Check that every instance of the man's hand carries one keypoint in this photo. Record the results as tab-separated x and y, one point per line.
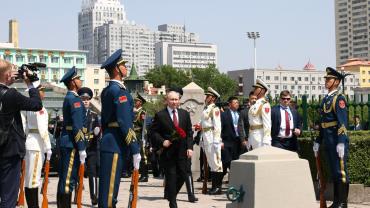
136	160
48	154
244	143
166	143
222	145
83	156
340	150
189	153
315	148
297	132
197	127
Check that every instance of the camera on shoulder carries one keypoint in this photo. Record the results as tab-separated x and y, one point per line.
33	67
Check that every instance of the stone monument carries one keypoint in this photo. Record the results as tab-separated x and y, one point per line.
193	102
271	177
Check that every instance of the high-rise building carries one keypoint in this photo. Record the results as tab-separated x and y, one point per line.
352	30
95	13
176	34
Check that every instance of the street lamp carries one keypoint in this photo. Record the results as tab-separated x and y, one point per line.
254	36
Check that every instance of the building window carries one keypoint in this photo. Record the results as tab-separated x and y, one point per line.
240	79
96	92
306	79
363	80
43	59
299	87
307	88
259	77
79	60
67	60
276	87
313	79
369	80
19	58
284	78
96	81
31	58
291	78
299	78
96	71
285	87
319	79
292	87
351	80
267	77
55	60
276	78
319	87
313	87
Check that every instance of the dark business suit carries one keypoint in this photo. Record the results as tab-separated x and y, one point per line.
174	157
231	140
243	127
12	152
284	143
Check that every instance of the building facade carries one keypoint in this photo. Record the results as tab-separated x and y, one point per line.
185	55
352	30
308	81
95	13
95	78
358	66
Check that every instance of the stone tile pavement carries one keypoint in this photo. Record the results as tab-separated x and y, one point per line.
151	196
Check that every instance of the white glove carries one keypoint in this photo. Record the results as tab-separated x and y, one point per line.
48	154
96	131
340	150
83	156
315	148
136	160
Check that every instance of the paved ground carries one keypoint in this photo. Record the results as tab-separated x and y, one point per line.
151	196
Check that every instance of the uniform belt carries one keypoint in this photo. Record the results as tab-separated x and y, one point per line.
69	128
113	124
33	131
208	128
255	127
325	125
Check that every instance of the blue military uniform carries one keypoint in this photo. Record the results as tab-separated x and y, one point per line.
71	141
333	132
118	135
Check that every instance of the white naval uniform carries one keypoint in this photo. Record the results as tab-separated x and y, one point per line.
37	143
259	116
211	134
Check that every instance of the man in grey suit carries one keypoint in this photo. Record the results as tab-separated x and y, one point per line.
243	123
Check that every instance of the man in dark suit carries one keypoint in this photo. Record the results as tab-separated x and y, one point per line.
176	149
231	141
243	122
286	124
13	147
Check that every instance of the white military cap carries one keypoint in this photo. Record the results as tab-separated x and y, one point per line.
261	84
211	91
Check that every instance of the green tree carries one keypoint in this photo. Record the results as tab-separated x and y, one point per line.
168	76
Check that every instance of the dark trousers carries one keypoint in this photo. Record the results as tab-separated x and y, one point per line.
290	144
10	171
68	170
155	164
175	174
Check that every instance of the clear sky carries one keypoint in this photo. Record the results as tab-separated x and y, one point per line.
292	31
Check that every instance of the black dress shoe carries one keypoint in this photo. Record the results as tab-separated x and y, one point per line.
192	198
200	179
94	200
143	179
216	191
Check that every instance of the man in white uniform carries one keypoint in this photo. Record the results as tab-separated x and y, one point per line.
210	125
37	144
259	116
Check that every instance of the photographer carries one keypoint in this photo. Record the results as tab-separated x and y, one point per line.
12	149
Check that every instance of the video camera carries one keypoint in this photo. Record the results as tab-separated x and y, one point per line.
34	67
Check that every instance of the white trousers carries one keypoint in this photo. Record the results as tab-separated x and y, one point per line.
34	161
213	151
255	138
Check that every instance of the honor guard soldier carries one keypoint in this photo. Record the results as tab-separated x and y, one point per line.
210	125
92	143
37	144
259	116
140	130
333	134
71	143
119	137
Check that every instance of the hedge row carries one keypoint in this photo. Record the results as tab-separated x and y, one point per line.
358	161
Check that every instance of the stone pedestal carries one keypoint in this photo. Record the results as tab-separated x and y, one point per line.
193	102
272	177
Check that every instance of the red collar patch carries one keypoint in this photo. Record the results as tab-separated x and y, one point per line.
122	99
77	104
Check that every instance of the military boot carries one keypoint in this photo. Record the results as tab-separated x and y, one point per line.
217	177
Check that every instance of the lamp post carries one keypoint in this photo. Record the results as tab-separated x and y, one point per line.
254	36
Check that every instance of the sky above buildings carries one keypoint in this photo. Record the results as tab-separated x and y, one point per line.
292	32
